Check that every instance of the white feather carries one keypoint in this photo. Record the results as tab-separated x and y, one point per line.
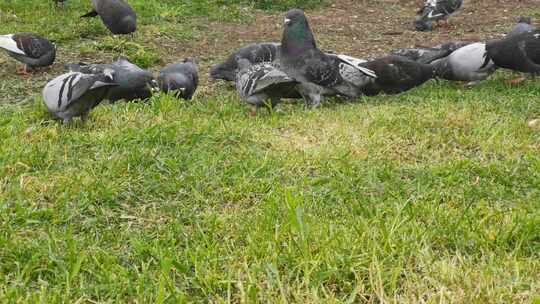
355	62
7	42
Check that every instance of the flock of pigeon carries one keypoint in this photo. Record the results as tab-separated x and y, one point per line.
264	73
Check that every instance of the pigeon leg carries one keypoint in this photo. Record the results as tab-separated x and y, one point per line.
23	70
315	101
252	110
472	84
516	80
66	121
84	117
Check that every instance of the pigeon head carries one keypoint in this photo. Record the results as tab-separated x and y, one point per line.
223	71
242	63
522	19
297	36
189	60
422	25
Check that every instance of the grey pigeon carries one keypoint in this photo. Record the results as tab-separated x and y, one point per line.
430	54
260	82
182	77
435	10
30	49
422	55
519	52
132	81
523	25
74	94
396	74
254	53
470	63
317	73
452	45
117	15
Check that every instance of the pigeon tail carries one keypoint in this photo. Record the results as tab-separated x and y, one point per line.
90	14
7	43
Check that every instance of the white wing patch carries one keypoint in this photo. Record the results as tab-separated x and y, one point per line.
7	43
355	62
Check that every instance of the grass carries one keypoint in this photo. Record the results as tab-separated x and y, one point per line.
431	196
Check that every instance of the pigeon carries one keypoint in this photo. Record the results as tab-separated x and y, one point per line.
318	73
30	49
430	54
452	45
519	52
74	94
181	77
421	55
523	25
117	15
256	83
435	10
396	74
132	81
470	63
254	53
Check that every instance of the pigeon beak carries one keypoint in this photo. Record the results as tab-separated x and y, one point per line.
287	21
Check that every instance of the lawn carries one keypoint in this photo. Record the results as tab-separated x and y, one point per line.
431	196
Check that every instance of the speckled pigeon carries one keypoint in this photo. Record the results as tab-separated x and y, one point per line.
396	74
523	25
422	55
519	52
435	10
260	82
30	49
117	15
74	94
132	81
181	77
254	53
317	73
470	63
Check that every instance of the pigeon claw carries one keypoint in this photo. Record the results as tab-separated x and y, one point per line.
516	80
23	70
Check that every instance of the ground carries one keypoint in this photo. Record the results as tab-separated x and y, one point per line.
428	196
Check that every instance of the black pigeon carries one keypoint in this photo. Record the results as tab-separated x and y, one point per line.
117	15
519	52
470	63
255	53
523	25
435	10
317	73
30	49
262	82
132	81
182	77
74	94
396	74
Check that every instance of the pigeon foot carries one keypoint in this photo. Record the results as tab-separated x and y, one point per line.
517	80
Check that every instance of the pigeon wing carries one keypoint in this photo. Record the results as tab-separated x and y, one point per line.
8	43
